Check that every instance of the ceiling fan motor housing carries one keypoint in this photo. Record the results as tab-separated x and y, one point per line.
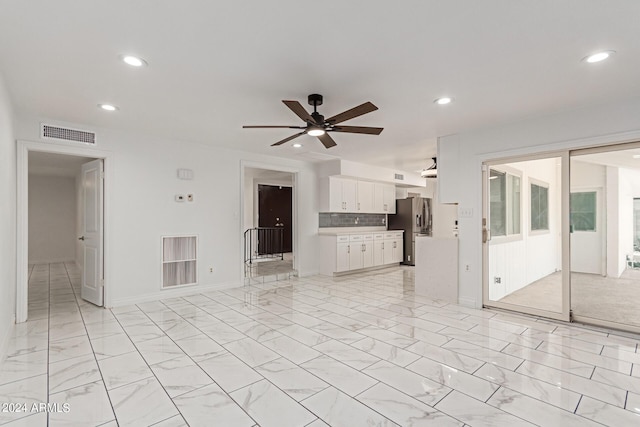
315	99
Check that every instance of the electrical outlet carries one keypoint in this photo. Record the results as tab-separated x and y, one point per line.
467	268
210	269
497	279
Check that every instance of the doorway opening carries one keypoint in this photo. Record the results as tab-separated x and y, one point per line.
61	228
269	225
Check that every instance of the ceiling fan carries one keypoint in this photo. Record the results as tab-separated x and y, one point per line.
318	126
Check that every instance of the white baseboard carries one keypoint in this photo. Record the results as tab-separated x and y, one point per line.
468	302
4	340
172	293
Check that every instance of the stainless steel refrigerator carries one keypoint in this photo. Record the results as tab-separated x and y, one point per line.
414	216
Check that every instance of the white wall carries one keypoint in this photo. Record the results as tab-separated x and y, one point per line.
533	256
464	153
141	209
52	219
7	219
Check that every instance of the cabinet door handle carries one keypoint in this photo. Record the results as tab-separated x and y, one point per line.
363	248
395	244
358	205
382	245
348	249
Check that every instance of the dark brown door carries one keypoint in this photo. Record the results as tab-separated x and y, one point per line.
274	210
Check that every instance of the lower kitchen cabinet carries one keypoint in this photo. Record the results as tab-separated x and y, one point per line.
351	252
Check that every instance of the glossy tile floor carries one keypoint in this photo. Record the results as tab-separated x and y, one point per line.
361	350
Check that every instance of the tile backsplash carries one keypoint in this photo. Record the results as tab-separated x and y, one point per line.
328	219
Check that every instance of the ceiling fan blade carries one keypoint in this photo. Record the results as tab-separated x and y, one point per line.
300	111
288	139
365	108
327	141
358	129
274	127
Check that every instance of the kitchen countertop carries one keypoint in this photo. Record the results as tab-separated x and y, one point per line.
352	230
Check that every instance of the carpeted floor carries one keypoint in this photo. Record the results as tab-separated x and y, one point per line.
594	296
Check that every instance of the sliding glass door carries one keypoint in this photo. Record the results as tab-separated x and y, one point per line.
605	236
524	238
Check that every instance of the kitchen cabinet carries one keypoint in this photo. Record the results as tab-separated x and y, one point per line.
384	200
355	252
339	194
342	194
352	252
342	257
365	197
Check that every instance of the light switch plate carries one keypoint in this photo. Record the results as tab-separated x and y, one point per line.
190	197
179	197
466	212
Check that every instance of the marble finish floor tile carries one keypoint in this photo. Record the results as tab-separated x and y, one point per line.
292	379
210	404
89	405
141	403
339	375
271	407
535	411
124	369
340	410
402	409
291	349
552	394
23	392
180	375
474	413
408	382
362	349
71	373
229	372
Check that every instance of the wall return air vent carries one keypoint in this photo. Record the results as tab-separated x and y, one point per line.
66	134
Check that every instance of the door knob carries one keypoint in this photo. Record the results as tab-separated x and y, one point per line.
81	238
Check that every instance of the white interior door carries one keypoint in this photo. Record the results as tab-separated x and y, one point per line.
93	232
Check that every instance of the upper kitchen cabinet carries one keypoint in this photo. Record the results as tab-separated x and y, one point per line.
342	194
365	197
339	194
384	200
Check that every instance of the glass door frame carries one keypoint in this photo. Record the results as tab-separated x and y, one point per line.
565	314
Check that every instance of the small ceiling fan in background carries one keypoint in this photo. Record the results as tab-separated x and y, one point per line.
431	171
318	126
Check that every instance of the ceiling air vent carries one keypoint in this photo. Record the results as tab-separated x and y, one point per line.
66	134
399	177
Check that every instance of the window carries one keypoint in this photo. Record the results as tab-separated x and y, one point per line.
504	214
583	211
539	207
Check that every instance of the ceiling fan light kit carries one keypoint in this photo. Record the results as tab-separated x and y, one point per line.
431	171
318	126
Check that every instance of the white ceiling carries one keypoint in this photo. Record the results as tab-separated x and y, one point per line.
217	65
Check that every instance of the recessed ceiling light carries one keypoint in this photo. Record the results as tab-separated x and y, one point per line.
296	145
443	101
316	132
108	107
134	61
636	156
599	56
